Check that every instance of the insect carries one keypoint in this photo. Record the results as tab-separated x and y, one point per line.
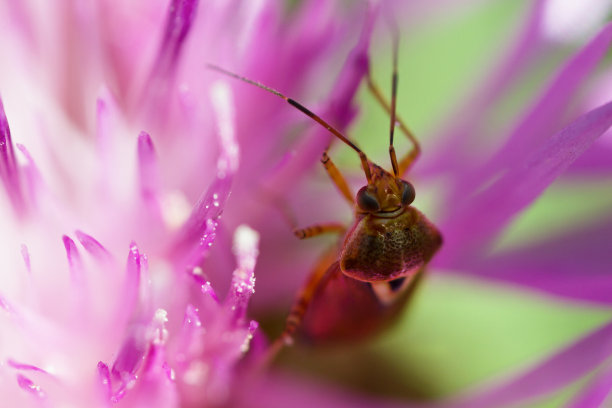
361	286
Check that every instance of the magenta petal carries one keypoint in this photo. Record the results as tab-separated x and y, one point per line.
7	307
576	265
74	260
463	126
561	369
147	166
181	14
105	380
31	173
28	385
198	233
246	247
536	125
9	172
131	357
596	392
283	391
488	212
544	118
25	367
25	254
131	287
92	246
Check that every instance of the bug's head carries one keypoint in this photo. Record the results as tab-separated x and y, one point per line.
386	193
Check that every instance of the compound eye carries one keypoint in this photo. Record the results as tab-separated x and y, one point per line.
367	201
408	193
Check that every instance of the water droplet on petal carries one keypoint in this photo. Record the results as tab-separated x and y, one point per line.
28	385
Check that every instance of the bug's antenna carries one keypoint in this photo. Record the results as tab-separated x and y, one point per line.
394	79
310	114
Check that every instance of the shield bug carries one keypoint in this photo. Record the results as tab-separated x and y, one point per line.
362	285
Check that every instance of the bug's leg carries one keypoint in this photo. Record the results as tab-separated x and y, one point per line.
318	229
406	162
337	178
339	181
300	305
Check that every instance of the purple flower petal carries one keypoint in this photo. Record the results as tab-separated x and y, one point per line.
576	265
596	392
485	214
105	380
131	288
456	136
25	254
31	173
181	14
544	118
147	168
131	358
536	125
561	369
92	246
7	307
9	172
283	391
25	367
74	260
198	232
28	385
246	248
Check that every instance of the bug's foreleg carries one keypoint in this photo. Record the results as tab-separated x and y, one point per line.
408	160
318	229
338	179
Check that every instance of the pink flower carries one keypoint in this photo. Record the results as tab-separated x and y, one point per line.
116	142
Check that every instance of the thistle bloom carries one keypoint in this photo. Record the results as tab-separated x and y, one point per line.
119	152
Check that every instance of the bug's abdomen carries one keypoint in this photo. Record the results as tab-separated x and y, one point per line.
380	249
345	309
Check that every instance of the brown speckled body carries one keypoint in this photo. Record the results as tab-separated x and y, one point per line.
381	248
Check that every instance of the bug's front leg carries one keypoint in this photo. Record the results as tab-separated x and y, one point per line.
318	229
337	178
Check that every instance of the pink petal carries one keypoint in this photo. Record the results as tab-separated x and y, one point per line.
198	232
131	288
31	173
596	391
559	370
105	380
576	265
25	367
92	246
28	385
246	248
147	168
25	254
463	126
283	391
9	172
488	212
181	14
544	117
74	260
